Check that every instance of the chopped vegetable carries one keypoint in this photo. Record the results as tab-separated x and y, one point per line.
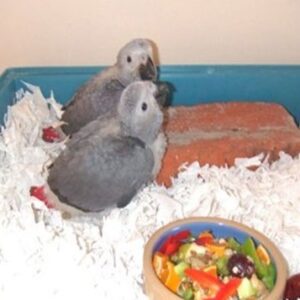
186	250
212	270
228	289
204	279
180	268
263	255
222	268
182	235
173	242
234	244
188	294
170	246
270	278
246	289
186	291
183	251
216	249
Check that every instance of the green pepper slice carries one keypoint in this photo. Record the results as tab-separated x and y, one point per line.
248	248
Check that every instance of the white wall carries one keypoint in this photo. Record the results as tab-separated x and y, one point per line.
90	32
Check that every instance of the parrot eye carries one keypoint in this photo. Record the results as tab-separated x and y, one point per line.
144	106
129	59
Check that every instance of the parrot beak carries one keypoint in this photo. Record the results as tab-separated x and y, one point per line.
148	71
163	93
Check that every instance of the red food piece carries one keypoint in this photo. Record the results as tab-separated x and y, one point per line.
50	134
292	289
165	244
228	289
39	193
204	240
182	235
170	246
173	242
204	279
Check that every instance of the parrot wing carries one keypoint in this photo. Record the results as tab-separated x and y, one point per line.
97	97
97	176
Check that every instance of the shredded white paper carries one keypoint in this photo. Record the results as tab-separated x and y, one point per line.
43	256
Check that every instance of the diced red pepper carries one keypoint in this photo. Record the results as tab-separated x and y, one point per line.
227	290
172	247
204	279
182	235
50	134
173	242
165	244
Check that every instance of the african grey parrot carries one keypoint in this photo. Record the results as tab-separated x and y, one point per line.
102	92
107	161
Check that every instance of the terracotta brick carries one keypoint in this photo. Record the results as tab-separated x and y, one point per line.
228	116
218	133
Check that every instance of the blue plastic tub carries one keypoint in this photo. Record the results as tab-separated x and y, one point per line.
194	83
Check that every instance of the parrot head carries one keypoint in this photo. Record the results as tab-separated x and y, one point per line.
135	61
140	113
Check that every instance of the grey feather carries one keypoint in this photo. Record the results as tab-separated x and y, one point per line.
107	161
102	92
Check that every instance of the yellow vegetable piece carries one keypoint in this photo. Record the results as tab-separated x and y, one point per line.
160	265
263	255
212	270
173	280
216	249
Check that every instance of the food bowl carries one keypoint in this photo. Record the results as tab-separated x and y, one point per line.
221	229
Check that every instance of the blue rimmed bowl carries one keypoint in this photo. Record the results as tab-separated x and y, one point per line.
221	228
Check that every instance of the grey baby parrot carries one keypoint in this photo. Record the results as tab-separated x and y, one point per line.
102	92
107	161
